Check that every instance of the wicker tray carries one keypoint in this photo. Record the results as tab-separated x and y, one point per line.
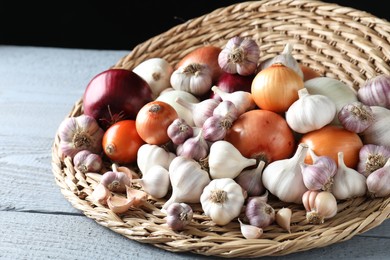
337	41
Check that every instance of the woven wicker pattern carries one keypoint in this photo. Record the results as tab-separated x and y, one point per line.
337	41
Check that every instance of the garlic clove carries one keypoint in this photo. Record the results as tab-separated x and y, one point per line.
137	197
283	218
249	231
119	204
100	194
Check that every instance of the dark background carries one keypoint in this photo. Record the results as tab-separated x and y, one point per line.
112	25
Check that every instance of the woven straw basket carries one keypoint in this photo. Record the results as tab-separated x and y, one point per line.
339	42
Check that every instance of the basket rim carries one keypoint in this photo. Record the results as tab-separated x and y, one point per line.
137	225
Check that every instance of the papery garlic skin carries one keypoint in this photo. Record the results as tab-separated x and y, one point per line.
196	147
371	158
347	182
170	95
179	215
340	93
378	182
222	200
157	73
188	180
376	91
179	131
319	175
283	178
194	78
259	213
242	100
149	155
356	117
225	161
379	131
155	181
80	133
310	112
319	205
115	181
240	55
85	161
200	110
286	58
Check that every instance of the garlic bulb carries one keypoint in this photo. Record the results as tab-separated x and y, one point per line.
242	100
155	181
378	182
226	109
240	55
283	178
85	161
249	231
259	213
356	117
347	182
179	215
157	73
80	133
200	110
225	161
194	78
188	180
375	91
196	147
286	58
149	155
115	180
340	93
371	158
170	98
250	180
179	131
379	131
319	175
319	205
310	112
215	127
222	200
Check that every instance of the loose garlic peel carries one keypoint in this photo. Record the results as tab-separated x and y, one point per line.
283	218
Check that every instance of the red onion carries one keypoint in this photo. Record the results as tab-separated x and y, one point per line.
233	82
376	91
114	95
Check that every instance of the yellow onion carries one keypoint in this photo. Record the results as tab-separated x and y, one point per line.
276	88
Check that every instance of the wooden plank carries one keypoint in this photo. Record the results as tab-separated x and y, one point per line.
38	236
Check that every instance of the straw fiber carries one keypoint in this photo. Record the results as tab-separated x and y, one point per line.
338	42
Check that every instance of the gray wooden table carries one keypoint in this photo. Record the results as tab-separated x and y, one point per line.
38	87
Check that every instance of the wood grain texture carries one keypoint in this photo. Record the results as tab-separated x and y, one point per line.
38	87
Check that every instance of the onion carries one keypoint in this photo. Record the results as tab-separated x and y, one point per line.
114	95
330	140
233	82
207	54
262	134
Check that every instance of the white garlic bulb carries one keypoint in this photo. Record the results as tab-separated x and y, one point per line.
310	112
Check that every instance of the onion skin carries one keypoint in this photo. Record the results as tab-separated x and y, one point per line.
114	95
331	139
309	73
262	134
